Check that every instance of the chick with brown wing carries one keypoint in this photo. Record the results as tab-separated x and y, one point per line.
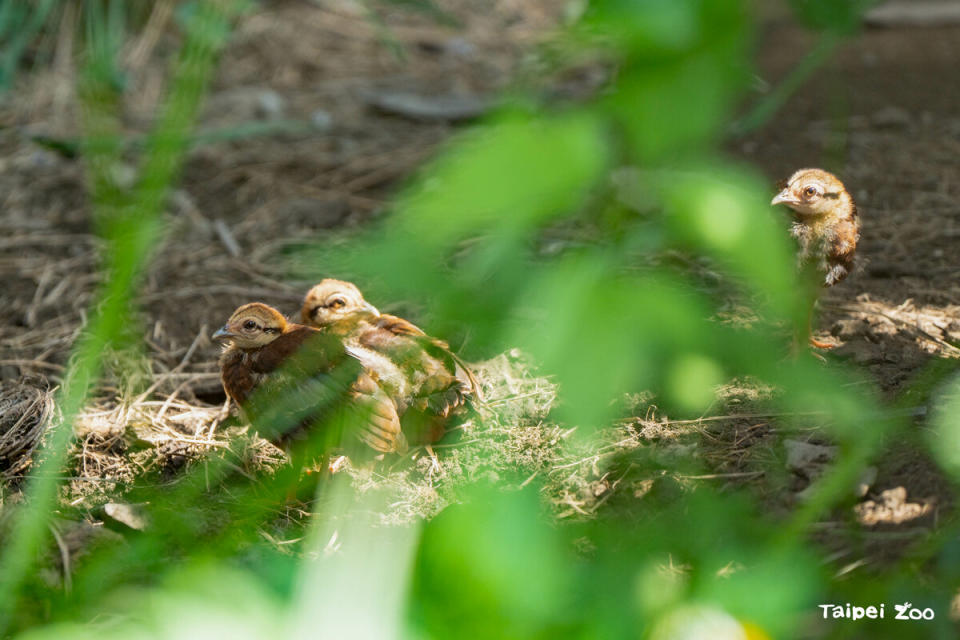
430	384
826	226
288	378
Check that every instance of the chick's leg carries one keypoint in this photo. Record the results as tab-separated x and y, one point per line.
819	344
812	341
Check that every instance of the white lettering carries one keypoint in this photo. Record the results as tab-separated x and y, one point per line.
849	611
902	610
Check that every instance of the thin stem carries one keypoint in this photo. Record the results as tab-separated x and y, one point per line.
763	111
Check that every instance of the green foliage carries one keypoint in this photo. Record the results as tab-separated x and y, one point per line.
605	315
515	581
945	438
130	224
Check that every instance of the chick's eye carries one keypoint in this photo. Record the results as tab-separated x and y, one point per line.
249	325
336	303
810	191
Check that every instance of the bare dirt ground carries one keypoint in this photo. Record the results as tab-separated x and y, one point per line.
880	115
884	115
317	77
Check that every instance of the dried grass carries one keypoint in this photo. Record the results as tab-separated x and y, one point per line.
241	204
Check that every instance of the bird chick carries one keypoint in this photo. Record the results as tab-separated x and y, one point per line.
826	225
337	307
428	382
307	375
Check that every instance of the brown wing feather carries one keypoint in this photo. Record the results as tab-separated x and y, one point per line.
398	326
840	250
381	429
298	366
290	341
844	243
441	384
238	380
439	348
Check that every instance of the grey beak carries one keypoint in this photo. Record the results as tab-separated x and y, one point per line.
372	309
783	197
221	334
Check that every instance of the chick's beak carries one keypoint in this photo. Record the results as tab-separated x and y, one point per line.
222	334
784	197
372	309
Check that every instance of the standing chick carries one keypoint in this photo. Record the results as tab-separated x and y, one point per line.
307	376
826	225
427	381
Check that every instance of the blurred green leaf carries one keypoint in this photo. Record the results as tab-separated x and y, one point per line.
944	438
130	226
208	601
674	108
493	568
725	213
506	175
517	237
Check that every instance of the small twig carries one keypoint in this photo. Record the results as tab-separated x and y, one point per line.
239	470
228	289
717	476
899	321
916	328
850	567
734	416
226	237
71	478
505	400
170	399
594	458
222	415
45	277
64	558
763	111
176	369
154	29
530	479
576	508
454	445
179	437
269	538
32	363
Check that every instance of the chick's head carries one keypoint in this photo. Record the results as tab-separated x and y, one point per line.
333	301
252	326
812	192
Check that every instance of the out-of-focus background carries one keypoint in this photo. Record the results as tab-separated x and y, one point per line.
574	195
